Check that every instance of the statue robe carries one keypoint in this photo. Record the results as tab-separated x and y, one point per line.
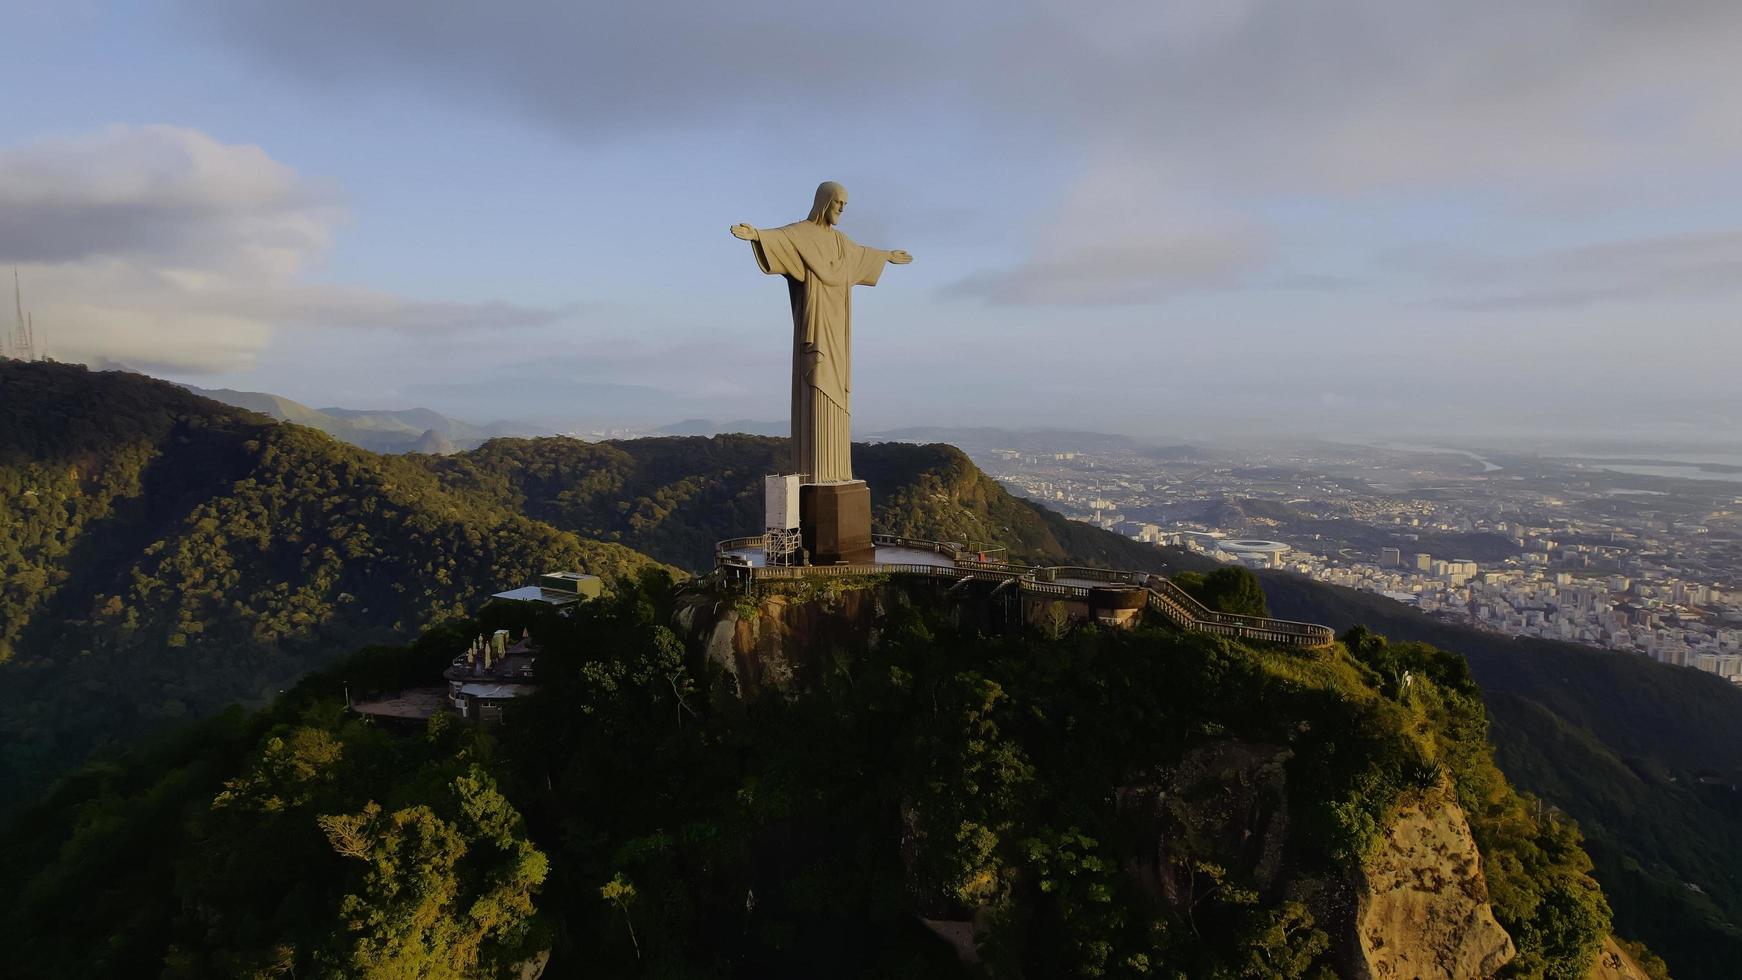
821	267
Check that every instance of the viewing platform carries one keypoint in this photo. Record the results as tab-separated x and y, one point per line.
1110	595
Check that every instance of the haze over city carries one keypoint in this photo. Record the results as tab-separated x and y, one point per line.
1220	218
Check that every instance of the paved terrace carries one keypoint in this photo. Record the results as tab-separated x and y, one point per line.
743	559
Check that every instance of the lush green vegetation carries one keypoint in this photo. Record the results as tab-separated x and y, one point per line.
296	841
636	818
162	556
672	498
669	498
935	491
1229	589
1537	872
1646	757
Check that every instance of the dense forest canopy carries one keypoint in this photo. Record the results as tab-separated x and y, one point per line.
162	556
165	555
639	817
673	497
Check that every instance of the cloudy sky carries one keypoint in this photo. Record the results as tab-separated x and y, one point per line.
1174	218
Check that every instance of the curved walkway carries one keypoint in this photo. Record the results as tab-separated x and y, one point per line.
742	559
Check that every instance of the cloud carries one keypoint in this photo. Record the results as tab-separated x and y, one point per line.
158	193
1125	233
321	305
1120	152
647	375
1123	272
160	245
1655	270
1337	92
1215	107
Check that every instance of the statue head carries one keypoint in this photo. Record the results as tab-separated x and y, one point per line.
830	202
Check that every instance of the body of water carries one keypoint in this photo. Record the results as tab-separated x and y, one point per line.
1407	447
1670	459
1674	471
1675	466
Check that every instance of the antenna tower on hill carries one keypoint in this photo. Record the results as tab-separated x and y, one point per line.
22	343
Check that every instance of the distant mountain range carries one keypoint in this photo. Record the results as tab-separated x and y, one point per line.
709	427
974	438
969	438
420	430
408	430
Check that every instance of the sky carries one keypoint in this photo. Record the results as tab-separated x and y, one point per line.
1194	219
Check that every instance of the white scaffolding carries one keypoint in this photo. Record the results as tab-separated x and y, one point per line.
781	544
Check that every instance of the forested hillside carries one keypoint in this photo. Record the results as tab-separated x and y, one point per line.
673	497
670	498
1102	804
1647	757
162	555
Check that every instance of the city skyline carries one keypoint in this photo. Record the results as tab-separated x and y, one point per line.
1559	549
1219	218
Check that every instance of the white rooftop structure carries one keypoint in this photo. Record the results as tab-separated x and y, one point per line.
532	593
487	689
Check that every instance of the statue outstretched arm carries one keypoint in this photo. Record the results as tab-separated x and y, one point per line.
746	232
899	257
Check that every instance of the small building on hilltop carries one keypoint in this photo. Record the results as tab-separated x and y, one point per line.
490	675
556	589
405	708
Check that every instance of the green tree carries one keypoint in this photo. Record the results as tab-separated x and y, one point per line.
1229	589
439	896
620	892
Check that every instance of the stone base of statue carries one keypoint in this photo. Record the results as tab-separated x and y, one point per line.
834	521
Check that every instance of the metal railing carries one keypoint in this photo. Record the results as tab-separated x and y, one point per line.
1051	573
1179	604
953	550
739	544
1163	596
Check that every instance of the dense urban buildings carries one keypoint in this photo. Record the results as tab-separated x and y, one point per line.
1631	552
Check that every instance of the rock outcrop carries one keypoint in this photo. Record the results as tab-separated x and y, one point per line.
781	644
1417	909
1613	963
531	968
434	443
1422	904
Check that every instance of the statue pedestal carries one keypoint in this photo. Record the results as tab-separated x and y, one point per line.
835	522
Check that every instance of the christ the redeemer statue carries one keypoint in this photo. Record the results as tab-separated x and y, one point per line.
821	267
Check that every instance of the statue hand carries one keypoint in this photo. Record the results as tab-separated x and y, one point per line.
900	257
745	232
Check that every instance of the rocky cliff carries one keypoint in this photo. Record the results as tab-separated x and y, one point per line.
1222	815
780	643
1613	963
1421	901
